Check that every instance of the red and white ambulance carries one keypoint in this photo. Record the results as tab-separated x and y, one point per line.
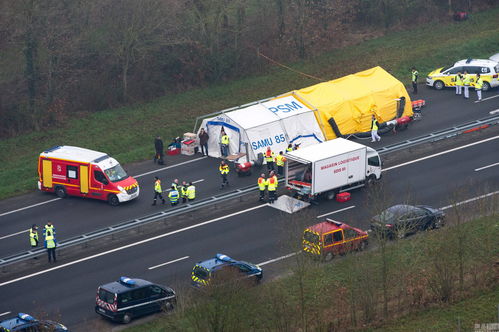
69	170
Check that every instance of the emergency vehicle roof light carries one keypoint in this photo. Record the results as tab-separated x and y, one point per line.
224	258
334	222
127	281
25	317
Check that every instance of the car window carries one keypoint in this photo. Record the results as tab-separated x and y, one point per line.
140	294
338	236
72	172
496	68
328	239
124	298
99	176
244	268
155	290
106	296
373	161
472	69
350	233
455	70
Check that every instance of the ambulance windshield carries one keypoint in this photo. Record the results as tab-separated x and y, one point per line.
116	173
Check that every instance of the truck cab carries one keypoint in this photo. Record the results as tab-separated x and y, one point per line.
330	238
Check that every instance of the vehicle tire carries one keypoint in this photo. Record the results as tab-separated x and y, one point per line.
167	306
330	195
113	200
485	86
371	179
60	191
439	85
329	256
127	318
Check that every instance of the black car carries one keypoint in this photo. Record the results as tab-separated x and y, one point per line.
128	298
400	220
24	323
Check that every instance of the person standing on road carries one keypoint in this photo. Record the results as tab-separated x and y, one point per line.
33	236
224	144
158	193
203	141
173	196
50	245
191	192
269	158
374	129
262	185
224	171
158	146
183	192
478	87
414	79
272	187
175	184
459	84
279	161
466	84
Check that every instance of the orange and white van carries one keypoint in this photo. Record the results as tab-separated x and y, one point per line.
69	170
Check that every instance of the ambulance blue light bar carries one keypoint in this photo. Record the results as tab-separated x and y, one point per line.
25	317
127	281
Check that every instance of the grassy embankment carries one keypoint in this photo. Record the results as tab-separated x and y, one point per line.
423	290
127	133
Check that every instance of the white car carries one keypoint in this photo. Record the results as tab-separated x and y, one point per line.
446	76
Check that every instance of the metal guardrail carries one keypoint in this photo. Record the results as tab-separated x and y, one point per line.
129	224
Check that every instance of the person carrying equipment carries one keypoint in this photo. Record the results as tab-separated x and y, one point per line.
262	185
157	191
173	196
269	158
224	171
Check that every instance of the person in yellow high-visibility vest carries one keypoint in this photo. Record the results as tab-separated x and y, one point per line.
33	236
478	87
224	171
279	161
158	193
459	83
269	158
191	192
224	144
466	84
272	187
262	185
374	129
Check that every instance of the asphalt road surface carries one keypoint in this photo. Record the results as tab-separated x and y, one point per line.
75	216
255	232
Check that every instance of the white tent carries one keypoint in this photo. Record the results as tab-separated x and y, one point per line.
274	123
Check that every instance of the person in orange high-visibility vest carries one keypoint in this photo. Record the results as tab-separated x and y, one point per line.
272	187
262	185
224	171
269	158
279	161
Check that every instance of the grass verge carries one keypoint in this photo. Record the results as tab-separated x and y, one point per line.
127	133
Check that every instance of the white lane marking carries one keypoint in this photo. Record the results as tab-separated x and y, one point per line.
441	153
278	259
168	167
484	167
477	101
167	263
134	176
14	234
5	313
30	206
131	245
470	200
494	111
340	210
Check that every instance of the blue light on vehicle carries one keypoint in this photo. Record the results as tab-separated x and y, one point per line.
127	281
224	258
25	317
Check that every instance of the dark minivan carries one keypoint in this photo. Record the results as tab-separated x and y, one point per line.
128	298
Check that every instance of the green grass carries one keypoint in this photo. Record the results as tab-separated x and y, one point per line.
127	133
479	309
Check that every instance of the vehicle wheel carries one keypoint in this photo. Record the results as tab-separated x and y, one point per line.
485	86
113	200
127	318
328	256
371	179
439	85
330	195
167	306
60	191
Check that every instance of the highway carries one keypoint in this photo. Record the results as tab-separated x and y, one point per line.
254	232
75	216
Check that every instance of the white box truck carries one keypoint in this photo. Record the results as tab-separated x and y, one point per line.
328	168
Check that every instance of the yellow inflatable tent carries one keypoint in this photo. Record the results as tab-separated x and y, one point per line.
349	102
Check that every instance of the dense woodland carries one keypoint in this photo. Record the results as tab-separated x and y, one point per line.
61	59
